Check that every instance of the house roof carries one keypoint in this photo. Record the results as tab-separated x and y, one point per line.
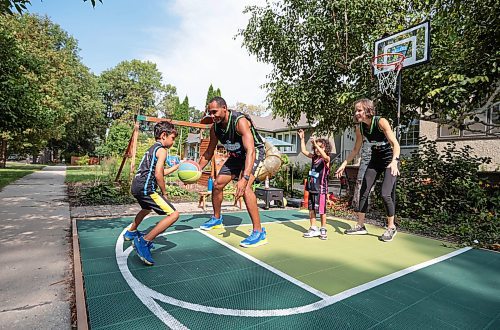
277	124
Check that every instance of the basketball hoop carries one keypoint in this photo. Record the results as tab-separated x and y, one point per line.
387	66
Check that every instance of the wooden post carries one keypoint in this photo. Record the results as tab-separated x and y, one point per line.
133	149
124	159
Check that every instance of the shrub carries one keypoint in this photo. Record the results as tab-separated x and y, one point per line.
105	193
83	160
440	194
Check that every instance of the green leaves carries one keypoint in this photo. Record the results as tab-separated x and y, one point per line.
441	194
7	6
49	94
132	88
320	51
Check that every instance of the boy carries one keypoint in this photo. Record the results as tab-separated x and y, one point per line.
150	175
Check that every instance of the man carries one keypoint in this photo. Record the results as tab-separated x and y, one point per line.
246	151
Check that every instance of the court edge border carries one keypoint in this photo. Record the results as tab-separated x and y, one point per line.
81	305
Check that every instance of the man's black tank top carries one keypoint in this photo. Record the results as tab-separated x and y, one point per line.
231	139
144	182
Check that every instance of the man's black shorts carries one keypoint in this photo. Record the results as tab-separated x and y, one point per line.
234	165
155	202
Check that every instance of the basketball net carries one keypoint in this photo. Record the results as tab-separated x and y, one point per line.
387	67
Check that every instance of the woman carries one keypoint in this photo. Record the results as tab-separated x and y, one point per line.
384	159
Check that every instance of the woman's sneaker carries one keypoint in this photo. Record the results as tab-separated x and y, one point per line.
130	235
256	238
312	232
388	235
322	233
213	223
356	230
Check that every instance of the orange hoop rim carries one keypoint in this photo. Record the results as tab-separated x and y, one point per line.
397	64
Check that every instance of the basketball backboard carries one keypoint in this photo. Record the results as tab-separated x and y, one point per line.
413	43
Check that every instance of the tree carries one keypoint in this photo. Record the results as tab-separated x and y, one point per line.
116	141
251	109
169	103
44	85
132	88
86	126
320	53
212	93
6	6
182	111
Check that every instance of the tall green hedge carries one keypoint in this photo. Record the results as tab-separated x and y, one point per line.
440	194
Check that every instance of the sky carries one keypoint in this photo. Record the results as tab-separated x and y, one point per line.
191	41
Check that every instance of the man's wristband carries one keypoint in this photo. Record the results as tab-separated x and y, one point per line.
246	177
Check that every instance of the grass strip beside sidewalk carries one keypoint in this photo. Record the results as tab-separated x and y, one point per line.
15	171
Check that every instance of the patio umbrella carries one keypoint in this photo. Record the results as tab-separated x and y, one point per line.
277	143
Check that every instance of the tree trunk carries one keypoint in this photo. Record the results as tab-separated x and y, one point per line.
3	153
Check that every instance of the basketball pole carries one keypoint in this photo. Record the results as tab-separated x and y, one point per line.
398	119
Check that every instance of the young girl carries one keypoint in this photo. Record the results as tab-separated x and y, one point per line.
317	183
384	159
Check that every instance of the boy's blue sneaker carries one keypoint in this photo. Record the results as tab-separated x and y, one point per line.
130	235
256	238
213	223
143	249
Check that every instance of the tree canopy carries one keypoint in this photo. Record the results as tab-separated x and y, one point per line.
46	91
8	6
212	93
320	52
132	88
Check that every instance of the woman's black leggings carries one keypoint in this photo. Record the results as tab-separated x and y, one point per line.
388	189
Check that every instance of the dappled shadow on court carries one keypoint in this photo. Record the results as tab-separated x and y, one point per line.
461	292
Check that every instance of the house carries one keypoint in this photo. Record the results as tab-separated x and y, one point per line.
483	145
271	127
278	128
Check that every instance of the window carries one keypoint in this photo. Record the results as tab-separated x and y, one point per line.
265	134
475	128
495	117
448	131
409	134
290	137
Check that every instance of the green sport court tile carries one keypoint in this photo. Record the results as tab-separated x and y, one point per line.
342	261
188	260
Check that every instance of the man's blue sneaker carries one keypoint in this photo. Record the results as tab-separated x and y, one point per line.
256	238
213	223
143	249
130	235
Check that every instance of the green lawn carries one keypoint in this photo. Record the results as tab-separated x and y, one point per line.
98	172
14	171
86	173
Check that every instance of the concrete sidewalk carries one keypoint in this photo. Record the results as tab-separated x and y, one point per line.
35	275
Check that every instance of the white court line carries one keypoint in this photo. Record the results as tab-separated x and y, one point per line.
287	277
140	290
234	226
146	294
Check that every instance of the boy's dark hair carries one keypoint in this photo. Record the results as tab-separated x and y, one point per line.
219	100
166	127
326	145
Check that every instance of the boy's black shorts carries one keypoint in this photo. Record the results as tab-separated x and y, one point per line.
234	165
155	202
